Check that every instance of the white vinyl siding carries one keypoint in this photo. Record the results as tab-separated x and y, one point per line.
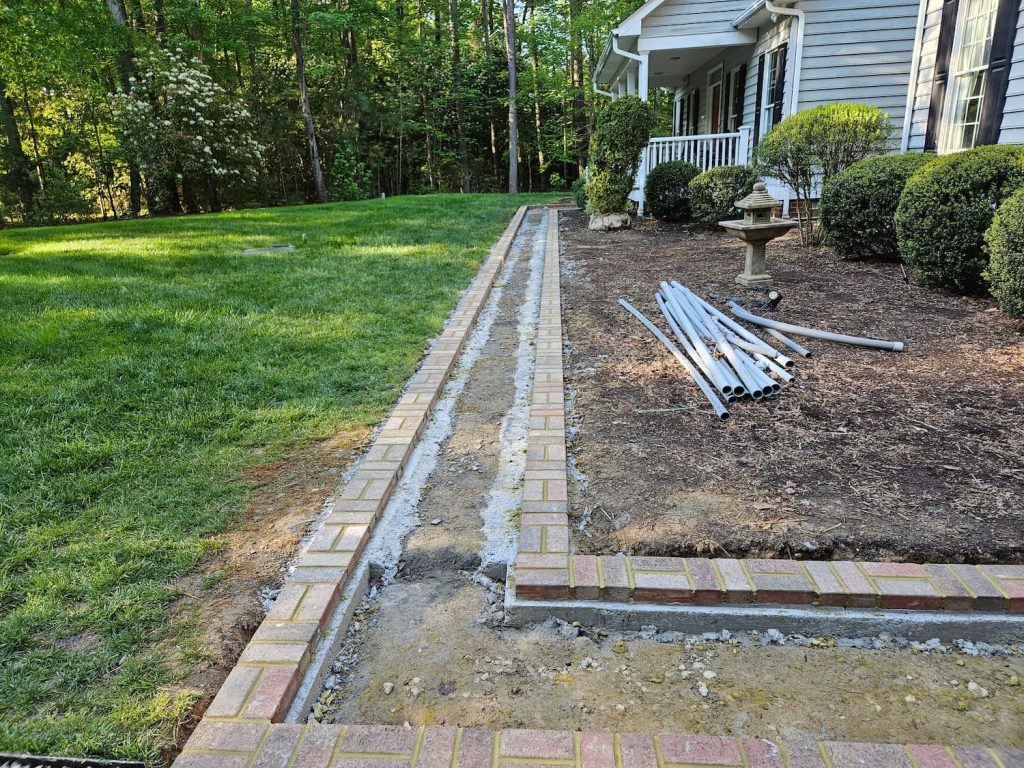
1013	112
688	17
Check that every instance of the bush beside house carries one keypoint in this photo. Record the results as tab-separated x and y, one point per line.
809	148
667	191
858	205
1005	241
946	208
713	194
623	130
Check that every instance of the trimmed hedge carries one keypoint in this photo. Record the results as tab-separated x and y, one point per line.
667	190
858	205
713	194
623	130
1005	240
946	208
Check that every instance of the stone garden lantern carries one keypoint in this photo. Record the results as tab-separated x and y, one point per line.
756	229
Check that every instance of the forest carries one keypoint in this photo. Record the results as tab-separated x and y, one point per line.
120	108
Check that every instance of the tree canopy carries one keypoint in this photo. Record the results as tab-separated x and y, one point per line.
111	108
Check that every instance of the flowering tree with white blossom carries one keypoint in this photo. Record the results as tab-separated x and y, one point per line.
192	140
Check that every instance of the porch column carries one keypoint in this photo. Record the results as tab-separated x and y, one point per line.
645	67
630	82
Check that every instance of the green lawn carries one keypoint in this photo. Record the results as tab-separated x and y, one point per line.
143	366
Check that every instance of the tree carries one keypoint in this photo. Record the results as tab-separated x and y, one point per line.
458	95
16	160
307	111
509	16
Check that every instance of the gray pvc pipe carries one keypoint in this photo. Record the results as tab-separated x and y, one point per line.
775	368
814	333
720	410
802	351
722	373
714	375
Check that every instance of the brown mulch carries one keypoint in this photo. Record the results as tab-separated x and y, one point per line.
869	455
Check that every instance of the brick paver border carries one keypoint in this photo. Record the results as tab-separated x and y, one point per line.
545	570
261	687
262	745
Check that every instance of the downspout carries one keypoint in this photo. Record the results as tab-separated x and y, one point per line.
798	47
598	91
622	53
915	65
642	172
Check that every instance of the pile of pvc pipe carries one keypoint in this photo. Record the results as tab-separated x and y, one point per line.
726	361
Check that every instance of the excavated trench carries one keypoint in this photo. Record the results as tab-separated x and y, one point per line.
428	646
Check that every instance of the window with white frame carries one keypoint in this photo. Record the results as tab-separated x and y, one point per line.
772	89
965	92
733	106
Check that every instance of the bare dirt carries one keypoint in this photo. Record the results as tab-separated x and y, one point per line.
430	647
869	455
219	608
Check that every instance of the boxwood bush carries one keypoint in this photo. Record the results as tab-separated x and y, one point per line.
1005	240
946	208
713	194
667	190
858	205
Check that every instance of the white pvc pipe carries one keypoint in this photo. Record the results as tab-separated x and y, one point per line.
713	373
692	325
802	351
720	410
778	370
814	333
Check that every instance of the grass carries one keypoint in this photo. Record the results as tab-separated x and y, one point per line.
144	366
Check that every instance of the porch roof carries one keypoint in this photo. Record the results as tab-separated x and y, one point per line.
671	58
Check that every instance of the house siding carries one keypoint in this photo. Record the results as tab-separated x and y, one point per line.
687	17
1013	113
768	39
858	51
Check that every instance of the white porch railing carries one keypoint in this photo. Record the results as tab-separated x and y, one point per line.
706	151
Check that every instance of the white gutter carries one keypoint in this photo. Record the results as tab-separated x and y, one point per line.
620	51
915	65
598	91
798	54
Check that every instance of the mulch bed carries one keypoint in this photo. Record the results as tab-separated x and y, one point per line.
869	455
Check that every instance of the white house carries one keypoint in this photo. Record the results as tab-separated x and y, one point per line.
950	73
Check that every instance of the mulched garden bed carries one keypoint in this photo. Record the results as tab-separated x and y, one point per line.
869	455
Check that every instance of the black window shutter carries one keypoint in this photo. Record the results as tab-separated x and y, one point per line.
757	98
998	76
780	85
741	87
947	31
695	114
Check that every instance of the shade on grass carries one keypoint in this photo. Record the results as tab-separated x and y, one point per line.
143	366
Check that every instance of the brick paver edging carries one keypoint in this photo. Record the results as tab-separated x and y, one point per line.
267	676
261	745
545	570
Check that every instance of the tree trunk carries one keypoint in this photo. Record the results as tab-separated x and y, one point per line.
124	71
536	102
307	112
17	160
581	136
509	15
457	82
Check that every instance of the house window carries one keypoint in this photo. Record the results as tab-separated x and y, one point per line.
734	100
972	52
774	85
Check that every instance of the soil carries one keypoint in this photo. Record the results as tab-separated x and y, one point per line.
219	606
430	648
869	455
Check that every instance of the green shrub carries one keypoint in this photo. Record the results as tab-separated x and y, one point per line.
579	193
713	194
1005	241
623	130
813	145
947	206
858	205
350	180
607	193
667	190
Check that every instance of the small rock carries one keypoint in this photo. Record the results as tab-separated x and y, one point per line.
620	708
387	688
702	689
415	692
1014	680
976	689
709	675
436	521
910	698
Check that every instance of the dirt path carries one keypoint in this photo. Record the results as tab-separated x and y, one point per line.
429	648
